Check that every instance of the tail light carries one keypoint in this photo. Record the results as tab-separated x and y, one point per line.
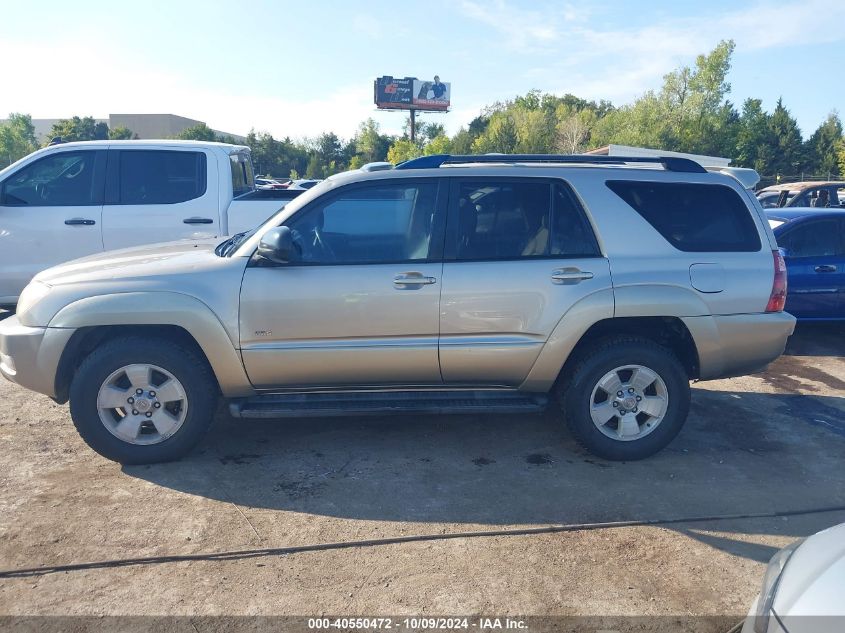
777	299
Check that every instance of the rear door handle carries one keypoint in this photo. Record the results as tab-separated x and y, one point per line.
825	268
198	221
405	280
80	222
570	276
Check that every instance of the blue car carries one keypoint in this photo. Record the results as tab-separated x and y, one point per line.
812	242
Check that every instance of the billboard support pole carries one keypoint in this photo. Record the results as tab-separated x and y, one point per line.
413	125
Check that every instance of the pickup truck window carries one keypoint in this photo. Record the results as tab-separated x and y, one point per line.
160	176
63	179
384	223
242	177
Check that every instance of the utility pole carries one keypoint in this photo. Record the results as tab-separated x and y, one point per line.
413	125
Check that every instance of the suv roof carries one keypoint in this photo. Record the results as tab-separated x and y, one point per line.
669	163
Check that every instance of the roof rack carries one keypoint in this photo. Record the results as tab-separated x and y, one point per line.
376	166
670	163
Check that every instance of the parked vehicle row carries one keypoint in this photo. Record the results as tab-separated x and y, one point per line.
448	284
71	200
812	241
804	194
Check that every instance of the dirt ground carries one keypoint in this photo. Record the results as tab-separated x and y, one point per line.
772	443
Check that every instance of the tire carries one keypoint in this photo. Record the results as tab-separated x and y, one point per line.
165	425
645	427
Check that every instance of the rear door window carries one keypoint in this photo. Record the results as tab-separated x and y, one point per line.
516	219
160	176
692	217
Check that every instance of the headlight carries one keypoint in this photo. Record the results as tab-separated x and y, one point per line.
770	586
31	295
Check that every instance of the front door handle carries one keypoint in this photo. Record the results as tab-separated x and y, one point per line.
196	220
80	222
412	280
825	268
570	276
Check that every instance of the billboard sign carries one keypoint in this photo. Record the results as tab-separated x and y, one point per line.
410	93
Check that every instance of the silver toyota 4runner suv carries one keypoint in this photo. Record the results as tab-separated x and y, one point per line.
449	284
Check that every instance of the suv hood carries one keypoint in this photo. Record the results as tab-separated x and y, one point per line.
186	268
149	260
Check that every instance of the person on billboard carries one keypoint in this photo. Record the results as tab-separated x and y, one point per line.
438	89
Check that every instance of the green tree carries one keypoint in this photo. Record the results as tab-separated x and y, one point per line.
198	132
370	144
573	130
754	141
121	133
315	168
403	149
689	113
840	155
462	141
786	143
821	147
438	145
276	158
17	138
500	136
80	129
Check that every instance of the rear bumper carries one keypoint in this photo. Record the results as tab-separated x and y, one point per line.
29	356
738	344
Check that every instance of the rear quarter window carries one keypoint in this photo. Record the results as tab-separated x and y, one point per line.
693	217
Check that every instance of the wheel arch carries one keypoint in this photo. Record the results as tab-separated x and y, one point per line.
168	315
668	331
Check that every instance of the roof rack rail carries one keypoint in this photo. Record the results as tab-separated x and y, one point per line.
670	163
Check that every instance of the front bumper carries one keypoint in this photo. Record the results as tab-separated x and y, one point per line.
738	344
29	356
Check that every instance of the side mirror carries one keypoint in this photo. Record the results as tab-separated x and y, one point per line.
784	252
277	245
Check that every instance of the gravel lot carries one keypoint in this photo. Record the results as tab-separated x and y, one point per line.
765	444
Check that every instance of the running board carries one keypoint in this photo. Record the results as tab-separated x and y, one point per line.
314	405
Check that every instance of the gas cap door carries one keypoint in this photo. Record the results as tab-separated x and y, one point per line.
707	277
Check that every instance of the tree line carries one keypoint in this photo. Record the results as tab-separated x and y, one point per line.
691	112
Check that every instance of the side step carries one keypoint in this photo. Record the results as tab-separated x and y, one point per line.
385	403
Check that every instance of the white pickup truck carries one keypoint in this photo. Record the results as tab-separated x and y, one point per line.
76	199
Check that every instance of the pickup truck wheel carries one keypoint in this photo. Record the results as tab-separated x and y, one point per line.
627	399
141	401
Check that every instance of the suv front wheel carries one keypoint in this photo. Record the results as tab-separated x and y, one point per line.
139	401
626	399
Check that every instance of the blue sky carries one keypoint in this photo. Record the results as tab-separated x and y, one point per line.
300	68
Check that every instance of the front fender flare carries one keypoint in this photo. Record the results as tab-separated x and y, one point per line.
165	308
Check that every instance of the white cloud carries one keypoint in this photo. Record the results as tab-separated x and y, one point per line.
367	25
620	64
110	85
560	49
525	30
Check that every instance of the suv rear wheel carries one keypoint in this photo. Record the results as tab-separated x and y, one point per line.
626	399
140	401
